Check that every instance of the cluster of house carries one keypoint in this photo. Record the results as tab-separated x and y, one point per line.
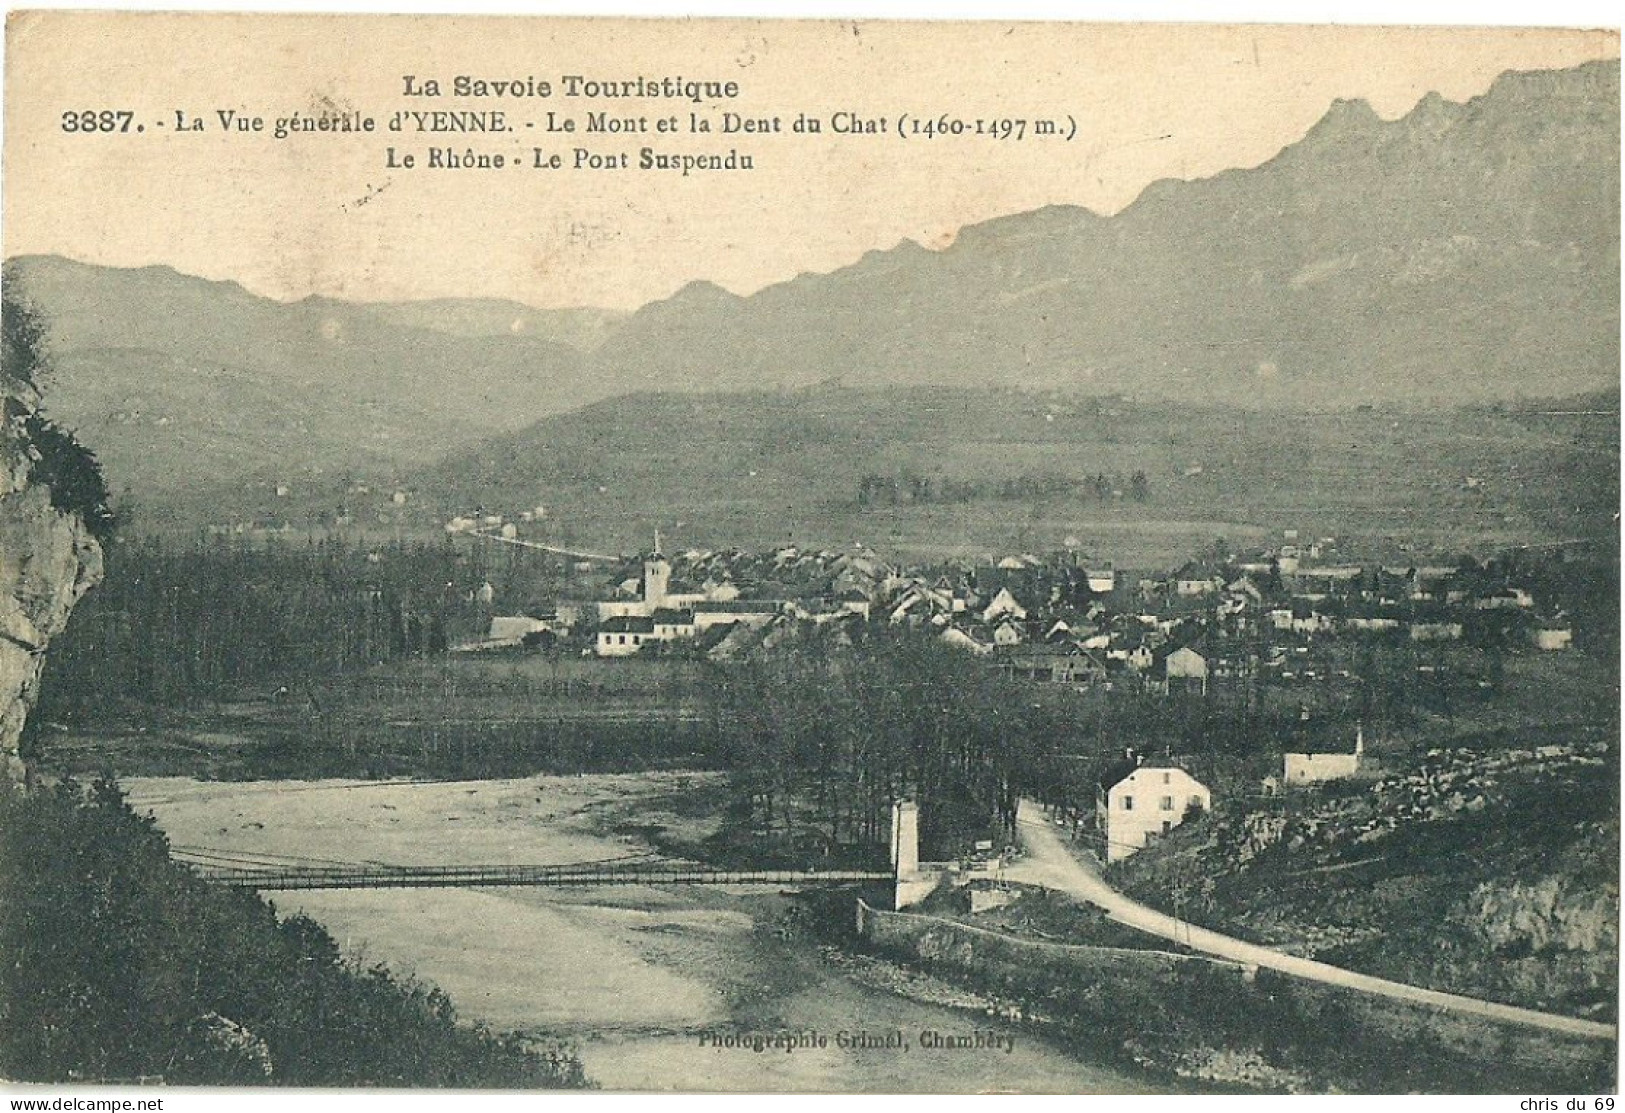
1137	803
715	618
1058	620
1208	620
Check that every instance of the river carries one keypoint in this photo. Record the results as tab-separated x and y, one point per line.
645	982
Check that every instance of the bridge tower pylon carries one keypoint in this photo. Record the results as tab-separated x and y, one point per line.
910	884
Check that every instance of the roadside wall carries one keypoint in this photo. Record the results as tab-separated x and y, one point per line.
934	939
1174	1003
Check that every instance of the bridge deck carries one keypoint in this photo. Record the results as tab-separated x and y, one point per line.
284	878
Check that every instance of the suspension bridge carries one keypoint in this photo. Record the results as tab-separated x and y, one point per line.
281	874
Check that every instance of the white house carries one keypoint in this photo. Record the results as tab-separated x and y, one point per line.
1101	580
1326	577
1435	631
1187	665
671	624
1373	618
1197	579
1302	617
1553	636
855	602
1303	767
625	635
1008	633
1004	605
752	612
1136	806
1508	598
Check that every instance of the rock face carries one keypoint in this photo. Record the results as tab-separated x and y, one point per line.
1454	871
48	560
1551	913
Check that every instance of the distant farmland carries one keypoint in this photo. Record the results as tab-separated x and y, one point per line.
1020	470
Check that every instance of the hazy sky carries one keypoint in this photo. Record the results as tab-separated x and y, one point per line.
325	214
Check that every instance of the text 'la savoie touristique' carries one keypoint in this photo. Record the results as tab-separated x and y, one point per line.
572	85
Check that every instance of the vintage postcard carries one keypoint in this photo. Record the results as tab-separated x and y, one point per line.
855	557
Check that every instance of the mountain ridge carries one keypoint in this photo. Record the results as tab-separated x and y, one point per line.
1472	192
1462	252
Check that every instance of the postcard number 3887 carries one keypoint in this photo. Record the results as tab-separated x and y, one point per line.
90	121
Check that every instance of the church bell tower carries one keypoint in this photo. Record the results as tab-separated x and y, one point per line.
656	574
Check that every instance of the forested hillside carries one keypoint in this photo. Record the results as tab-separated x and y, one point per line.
121	965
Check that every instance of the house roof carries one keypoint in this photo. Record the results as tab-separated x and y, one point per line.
670	616
1121	771
1319	734
1004	593
709	638
739	640
737	606
1040	649
954	636
1114	773
628	624
1324	741
1330	571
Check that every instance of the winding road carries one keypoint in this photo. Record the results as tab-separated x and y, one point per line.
1050	864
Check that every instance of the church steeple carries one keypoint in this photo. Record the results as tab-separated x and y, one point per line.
656	575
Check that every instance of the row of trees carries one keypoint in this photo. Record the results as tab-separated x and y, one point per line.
172	626
908	488
823	737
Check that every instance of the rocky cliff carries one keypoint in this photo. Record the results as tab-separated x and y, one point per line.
50	554
1489	872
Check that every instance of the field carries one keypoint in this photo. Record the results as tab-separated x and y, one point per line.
757	470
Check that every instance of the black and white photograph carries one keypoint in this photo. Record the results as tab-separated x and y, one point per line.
809	556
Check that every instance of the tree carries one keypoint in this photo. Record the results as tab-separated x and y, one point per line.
823	738
22	358
68	469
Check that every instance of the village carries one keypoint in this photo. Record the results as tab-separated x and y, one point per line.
1305	637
